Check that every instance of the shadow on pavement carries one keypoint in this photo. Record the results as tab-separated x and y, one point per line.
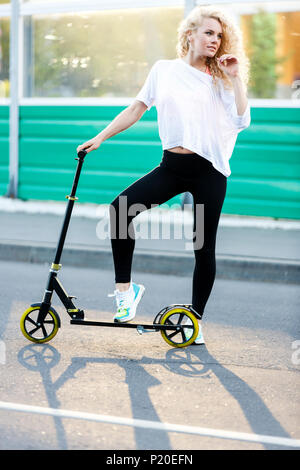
193	361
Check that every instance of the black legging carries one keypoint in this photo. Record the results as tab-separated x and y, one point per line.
177	173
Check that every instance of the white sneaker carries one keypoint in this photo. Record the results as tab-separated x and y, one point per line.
189	332
127	302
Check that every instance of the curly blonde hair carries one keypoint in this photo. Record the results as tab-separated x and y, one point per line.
232	42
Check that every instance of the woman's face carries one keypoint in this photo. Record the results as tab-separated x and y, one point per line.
206	39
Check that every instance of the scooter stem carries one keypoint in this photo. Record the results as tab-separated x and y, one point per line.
81	154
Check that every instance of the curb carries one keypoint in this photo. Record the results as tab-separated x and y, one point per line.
155	262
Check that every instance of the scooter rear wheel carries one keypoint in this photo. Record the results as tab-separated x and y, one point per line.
39	332
182	337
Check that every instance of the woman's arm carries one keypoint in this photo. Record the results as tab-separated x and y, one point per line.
240	96
122	121
228	63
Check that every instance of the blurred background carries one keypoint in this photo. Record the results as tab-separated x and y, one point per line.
78	64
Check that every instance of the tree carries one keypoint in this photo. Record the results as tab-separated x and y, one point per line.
262	54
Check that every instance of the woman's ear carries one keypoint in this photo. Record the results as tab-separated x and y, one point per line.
189	36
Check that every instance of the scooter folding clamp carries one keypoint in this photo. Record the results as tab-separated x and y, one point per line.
55	267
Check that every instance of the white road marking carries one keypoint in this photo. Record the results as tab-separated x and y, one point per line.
140	423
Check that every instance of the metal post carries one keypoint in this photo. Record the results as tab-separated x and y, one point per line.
28	57
14	100
188	6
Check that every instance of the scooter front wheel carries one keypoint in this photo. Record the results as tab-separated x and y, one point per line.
181	337
39	332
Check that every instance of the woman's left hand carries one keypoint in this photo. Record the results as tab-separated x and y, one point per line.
229	64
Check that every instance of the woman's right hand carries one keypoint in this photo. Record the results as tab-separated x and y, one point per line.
90	145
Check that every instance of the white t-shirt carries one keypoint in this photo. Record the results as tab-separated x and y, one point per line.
192	113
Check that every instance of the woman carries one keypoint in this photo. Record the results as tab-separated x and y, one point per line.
201	106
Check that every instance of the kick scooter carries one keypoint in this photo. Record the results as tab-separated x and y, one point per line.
40	322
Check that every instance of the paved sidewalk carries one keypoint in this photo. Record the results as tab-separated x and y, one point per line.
249	248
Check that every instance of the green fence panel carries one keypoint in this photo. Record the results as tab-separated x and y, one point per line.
4	149
265	164
50	135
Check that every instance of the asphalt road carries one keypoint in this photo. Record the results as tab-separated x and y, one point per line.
245	379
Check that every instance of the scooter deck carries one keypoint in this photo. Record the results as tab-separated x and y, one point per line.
157	326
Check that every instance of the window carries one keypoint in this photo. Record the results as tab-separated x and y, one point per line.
98	54
107	52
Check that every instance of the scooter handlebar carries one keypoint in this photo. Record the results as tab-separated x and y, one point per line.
82	153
